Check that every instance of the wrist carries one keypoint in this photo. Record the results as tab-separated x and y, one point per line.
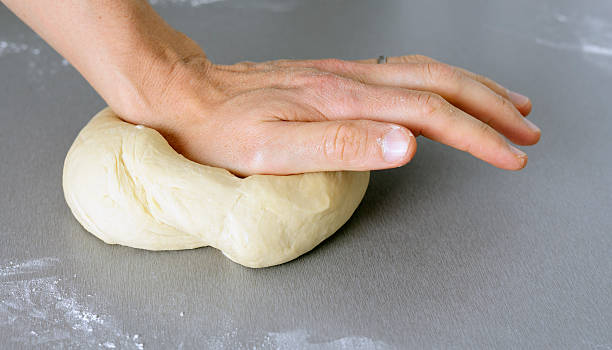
145	82
129	54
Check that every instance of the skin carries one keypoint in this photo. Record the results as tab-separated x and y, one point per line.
279	117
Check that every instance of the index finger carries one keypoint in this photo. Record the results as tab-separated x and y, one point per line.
522	103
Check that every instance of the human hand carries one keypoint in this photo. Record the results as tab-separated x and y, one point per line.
279	117
285	117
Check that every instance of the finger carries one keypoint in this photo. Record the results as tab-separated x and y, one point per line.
464	92
521	102
297	147
422	112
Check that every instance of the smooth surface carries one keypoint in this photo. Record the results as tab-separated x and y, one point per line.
446	252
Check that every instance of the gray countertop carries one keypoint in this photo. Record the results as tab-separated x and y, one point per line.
446	252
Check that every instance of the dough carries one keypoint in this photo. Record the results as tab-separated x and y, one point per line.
127	186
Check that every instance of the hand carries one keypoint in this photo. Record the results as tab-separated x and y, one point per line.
279	117
285	117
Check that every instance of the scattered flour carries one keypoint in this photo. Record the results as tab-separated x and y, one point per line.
28	267
293	340
8	47
299	340
38	59
586	34
37	308
589	35
233	338
40	309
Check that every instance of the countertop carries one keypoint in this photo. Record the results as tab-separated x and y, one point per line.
445	252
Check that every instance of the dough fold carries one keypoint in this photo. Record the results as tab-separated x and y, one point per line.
126	185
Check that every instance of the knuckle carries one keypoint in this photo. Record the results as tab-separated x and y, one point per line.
349	97
486	133
325	81
436	72
245	65
304	76
266	66
331	87
473	145
253	159
345	143
505	103
429	103
282	62
249	149
332	64
420	57
492	84
416	59
318	80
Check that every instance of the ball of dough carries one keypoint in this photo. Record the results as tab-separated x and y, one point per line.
126	185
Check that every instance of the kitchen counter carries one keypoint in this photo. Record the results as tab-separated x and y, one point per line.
445	252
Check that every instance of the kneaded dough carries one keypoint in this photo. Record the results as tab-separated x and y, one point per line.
126	185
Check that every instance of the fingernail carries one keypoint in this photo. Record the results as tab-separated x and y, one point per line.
517	152
518	99
531	125
395	145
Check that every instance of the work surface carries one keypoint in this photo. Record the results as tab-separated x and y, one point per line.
446	252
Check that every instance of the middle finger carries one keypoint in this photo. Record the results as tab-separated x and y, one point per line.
453	85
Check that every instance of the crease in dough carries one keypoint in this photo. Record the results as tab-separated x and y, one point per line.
126	185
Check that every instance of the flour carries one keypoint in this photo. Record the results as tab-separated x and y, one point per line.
233	337
37	59
9	47
588	35
292	340
28	267
299	340
39	308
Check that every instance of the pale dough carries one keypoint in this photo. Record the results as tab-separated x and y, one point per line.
127	186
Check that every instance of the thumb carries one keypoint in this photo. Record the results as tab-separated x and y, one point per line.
298	147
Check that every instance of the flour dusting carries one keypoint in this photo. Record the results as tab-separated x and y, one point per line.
27	267
39	60
38	308
292	340
8	47
299	340
592	36
589	35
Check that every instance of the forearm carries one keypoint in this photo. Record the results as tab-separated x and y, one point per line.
115	44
